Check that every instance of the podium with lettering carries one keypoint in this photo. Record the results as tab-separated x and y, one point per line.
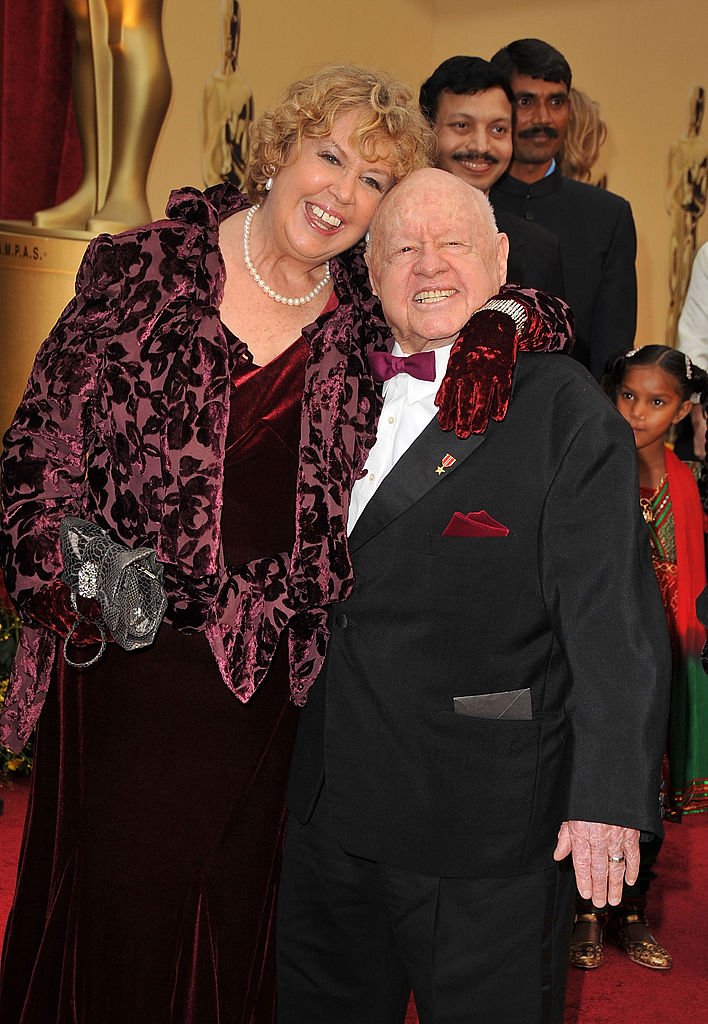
37	272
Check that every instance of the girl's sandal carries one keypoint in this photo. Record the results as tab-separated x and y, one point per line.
634	937
586	943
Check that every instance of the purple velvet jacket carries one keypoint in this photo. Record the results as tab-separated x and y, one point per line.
123	422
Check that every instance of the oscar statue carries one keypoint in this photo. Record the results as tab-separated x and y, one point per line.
228	109
686	200
121	90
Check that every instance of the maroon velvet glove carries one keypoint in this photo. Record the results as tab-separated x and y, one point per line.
480	370
477	383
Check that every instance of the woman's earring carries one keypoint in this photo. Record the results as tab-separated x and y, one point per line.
269	184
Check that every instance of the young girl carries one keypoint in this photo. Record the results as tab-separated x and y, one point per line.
654	388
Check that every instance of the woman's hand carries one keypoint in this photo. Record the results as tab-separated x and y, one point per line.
480	370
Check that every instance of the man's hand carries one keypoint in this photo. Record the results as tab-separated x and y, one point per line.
597	849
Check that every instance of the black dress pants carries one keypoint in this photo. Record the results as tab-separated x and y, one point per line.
355	936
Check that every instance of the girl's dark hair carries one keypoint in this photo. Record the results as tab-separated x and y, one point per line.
690	380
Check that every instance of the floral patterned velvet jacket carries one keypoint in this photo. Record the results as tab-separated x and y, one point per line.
123	422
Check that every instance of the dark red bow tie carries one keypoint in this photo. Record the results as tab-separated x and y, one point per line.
384	365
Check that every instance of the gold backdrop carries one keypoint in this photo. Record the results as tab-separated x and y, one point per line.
639	59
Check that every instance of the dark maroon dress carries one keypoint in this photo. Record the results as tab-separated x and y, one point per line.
147	882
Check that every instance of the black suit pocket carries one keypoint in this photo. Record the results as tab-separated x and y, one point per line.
490	548
513	704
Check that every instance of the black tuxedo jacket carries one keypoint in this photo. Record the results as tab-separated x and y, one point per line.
598	244
534	254
567	604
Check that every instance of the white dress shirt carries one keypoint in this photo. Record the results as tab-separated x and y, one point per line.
408	408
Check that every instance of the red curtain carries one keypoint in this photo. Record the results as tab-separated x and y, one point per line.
40	156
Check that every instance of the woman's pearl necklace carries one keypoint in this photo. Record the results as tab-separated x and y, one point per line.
271	292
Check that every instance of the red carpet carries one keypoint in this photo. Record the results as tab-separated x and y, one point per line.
619	992
14	798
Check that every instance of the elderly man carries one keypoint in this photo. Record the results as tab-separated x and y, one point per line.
495	690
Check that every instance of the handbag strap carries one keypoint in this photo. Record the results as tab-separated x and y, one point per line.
72	631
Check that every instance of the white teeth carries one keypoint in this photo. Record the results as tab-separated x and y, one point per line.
328	218
434	296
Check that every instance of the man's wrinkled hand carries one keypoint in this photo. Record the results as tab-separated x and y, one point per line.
603	857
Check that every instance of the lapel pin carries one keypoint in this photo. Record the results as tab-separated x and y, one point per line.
445	463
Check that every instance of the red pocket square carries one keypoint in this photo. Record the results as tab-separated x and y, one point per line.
474	524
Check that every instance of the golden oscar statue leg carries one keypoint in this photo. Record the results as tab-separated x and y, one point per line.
91	66
141	94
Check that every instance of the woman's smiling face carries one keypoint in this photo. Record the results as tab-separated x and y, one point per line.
322	203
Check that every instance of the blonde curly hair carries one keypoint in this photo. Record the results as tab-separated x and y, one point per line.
391	125
586	134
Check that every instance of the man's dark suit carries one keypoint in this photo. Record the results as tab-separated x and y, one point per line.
534	254
567	604
598	248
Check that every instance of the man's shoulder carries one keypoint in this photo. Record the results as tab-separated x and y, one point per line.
559	379
517	228
555	366
561	203
534	253
561	397
593	197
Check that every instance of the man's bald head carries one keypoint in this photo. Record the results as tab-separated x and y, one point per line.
434	257
429	184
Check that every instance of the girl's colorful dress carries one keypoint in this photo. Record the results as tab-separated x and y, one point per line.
676	526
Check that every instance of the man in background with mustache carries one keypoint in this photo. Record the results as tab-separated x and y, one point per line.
470	105
595	228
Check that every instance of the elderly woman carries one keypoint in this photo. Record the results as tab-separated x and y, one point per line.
204	393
